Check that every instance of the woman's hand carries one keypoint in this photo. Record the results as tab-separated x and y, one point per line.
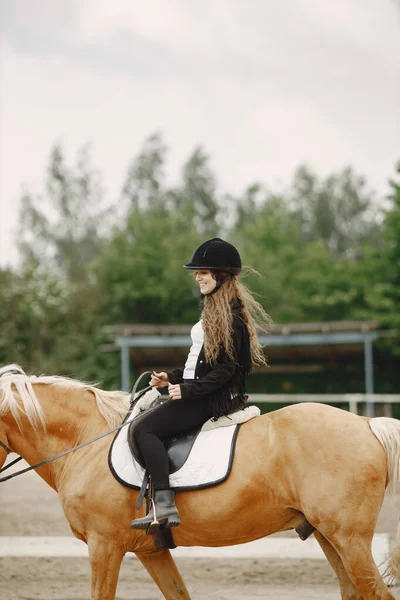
175	391
159	380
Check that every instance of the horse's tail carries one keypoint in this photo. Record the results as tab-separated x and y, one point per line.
388	433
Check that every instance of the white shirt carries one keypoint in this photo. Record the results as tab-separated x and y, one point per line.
197	335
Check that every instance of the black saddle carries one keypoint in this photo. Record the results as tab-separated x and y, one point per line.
178	446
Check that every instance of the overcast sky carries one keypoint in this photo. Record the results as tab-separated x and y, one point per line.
263	86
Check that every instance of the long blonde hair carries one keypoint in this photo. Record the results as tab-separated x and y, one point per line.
217	321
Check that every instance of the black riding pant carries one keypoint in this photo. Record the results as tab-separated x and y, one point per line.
171	418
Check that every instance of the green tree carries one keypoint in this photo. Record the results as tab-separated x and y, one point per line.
62	229
140	270
195	199
385	289
60	234
338	210
32	317
303	279
269	239
144	182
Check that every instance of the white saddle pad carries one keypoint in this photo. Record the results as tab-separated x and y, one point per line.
209	461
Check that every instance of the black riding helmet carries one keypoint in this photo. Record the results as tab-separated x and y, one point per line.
216	255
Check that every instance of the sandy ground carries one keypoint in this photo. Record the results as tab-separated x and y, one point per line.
29	507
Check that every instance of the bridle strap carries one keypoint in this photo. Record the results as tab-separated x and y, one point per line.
13	462
6	448
98	437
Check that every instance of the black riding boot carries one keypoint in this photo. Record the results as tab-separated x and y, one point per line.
162	512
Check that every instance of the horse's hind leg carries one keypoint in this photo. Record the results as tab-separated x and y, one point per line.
162	568
347	589
358	561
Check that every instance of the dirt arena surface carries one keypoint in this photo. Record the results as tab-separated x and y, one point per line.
28	507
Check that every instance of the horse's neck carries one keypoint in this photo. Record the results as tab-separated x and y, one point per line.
70	418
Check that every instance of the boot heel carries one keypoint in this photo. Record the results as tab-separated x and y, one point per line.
173	521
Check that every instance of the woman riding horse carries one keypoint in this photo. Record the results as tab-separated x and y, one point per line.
213	382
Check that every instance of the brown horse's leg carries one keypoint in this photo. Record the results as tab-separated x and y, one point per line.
347	589
161	566
358	561
105	563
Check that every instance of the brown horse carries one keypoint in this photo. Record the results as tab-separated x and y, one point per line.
307	460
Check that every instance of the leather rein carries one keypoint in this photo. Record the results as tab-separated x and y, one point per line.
133	401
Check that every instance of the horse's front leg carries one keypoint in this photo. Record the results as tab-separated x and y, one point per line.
162	568
105	563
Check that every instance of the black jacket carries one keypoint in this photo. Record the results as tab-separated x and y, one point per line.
222	385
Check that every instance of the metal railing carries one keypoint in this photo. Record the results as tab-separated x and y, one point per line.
385	401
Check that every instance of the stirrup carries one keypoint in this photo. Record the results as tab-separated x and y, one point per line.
155	520
153	527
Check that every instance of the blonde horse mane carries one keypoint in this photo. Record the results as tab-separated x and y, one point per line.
19	396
